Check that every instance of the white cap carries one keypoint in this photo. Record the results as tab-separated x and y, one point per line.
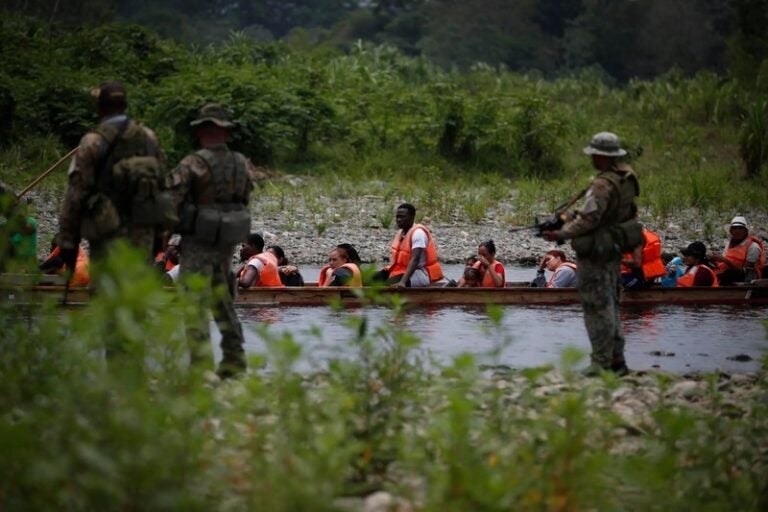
739	221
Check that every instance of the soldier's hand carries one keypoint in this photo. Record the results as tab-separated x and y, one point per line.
69	257
551	236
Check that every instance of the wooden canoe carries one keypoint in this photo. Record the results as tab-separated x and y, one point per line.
22	290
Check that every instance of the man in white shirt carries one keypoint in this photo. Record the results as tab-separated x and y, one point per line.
413	261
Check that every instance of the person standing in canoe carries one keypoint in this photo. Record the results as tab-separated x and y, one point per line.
211	189
413	258
601	231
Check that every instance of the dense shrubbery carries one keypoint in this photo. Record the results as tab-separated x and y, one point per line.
77	434
375	114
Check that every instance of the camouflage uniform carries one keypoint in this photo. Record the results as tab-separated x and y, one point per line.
192	181
83	170
598	273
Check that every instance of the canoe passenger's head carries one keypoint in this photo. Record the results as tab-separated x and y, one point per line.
405	215
472	277
252	246
279	254
487	249
554	259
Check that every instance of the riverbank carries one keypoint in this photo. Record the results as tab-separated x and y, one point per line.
308	225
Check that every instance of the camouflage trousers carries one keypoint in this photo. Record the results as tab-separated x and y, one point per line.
140	238
218	295
600	288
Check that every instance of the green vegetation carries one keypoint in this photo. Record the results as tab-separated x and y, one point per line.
77	434
376	121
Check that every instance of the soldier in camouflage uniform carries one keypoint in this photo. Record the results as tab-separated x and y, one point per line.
213	179
608	204
116	138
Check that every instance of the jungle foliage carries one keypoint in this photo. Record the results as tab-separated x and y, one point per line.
373	114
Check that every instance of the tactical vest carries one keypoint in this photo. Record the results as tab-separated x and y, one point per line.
128	184
619	230
218	214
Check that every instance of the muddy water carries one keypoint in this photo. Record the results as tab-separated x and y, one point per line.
673	338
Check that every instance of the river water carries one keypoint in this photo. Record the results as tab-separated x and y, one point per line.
672	338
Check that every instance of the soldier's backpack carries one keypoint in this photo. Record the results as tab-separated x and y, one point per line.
129	184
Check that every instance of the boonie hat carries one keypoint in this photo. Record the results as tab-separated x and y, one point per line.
605	143
214	113
695	249
739	221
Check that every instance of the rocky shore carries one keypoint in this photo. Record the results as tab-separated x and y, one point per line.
307	230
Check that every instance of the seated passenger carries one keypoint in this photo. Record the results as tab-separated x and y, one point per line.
54	264
289	274
343	268
698	271
260	268
169	258
641	267
563	271
413	260
472	278
744	256
491	269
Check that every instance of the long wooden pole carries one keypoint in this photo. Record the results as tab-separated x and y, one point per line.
46	173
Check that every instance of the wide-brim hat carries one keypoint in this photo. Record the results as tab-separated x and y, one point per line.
214	113
697	249
605	143
739	222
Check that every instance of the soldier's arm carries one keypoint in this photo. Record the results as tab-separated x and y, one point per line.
82	179
179	181
595	205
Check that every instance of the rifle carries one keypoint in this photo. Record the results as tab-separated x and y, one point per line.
46	173
551	223
556	220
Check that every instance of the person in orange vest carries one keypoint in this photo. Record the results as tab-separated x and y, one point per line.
563	271
342	269
413	259
698	271
54	264
744	256
260	268
492	273
169	258
641	267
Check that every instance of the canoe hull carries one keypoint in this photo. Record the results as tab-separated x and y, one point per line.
516	295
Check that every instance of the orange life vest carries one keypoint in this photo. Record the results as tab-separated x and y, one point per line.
652	265
168	263
569	264
401	254
325	276
80	277
269	277
686	280
738	255
487	281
